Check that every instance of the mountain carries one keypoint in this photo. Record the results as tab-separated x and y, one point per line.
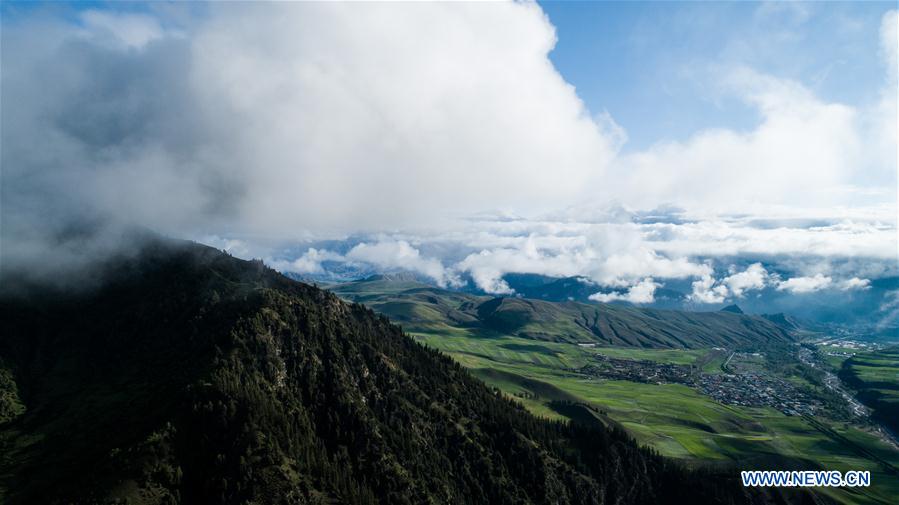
733	308
551	289
860	309
784	321
189	376
578	289
419	306
397	277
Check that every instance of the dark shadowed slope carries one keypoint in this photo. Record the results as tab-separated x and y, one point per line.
875	375
194	377
421	307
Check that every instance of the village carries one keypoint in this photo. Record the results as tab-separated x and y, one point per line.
753	389
747	388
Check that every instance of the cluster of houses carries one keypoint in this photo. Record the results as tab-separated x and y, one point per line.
747	388
752	389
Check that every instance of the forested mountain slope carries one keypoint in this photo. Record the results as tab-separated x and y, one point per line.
189	376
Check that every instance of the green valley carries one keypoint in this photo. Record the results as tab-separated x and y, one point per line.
681	383
875	374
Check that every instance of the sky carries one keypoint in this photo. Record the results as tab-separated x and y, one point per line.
729	147
649	64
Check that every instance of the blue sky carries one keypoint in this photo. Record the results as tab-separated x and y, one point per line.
651	65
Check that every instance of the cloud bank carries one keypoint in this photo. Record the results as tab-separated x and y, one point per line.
278	117
252	126
642	292
627	260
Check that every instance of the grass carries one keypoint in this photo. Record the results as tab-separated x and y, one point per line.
877	371
674	419
835	362
713	365
672	356
479	350
834	355
529	350
509	349
418	307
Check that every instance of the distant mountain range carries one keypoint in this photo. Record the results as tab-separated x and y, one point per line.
864	311
420	306
189	376
861	309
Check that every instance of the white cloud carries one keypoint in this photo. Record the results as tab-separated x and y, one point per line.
330	102
753	278
804	150
487	275
281	118
385	254
708	290
880	121
756	277
268	121
622	254
642	292
801	285
872	236
855	283
309	263
610	255
400	254
235	247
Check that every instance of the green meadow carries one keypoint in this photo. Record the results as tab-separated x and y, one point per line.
875	377
834	354
674	419
533	352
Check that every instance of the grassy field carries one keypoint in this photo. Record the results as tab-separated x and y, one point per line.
834	354
877	372
875	375
470	347
878	366
529	350
674	419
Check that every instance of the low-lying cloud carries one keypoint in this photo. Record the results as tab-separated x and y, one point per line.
642	292
805	284
625	261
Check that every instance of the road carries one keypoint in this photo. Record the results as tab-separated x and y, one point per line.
836	385
724	366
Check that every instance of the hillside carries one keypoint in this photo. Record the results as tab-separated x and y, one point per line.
425	308
875	375
194	377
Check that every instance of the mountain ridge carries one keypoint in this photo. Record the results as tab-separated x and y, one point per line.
419	306
195	377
